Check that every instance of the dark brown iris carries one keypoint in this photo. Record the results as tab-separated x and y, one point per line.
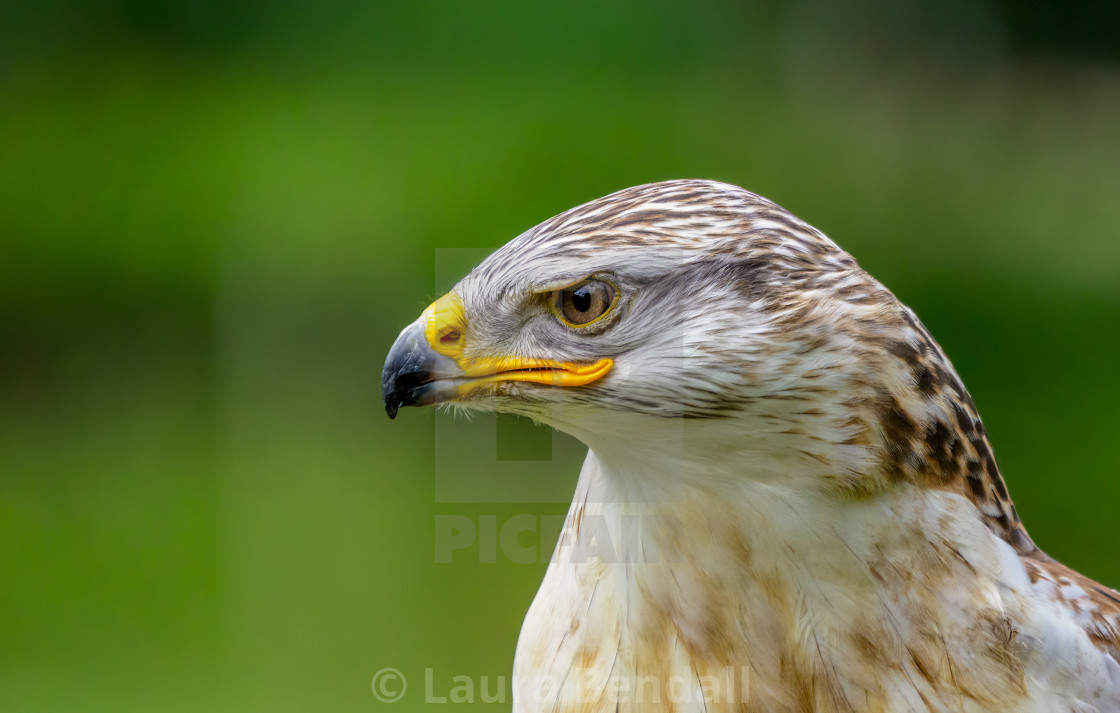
585	302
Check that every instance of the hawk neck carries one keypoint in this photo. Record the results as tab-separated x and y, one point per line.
818	602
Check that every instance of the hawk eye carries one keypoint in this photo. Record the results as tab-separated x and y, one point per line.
584	303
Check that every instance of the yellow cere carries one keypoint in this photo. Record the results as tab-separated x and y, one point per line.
445	321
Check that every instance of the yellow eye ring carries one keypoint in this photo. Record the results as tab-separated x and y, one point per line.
584	303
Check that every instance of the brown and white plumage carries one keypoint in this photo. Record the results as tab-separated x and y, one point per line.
790	502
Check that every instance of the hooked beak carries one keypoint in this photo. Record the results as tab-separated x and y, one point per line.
427	364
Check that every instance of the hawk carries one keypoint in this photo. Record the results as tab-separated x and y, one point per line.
789	501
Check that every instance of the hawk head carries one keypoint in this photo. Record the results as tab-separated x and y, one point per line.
694	317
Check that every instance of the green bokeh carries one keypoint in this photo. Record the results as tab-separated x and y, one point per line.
215	218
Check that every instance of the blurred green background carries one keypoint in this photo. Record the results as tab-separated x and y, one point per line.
215	217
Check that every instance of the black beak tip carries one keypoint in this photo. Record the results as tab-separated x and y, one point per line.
390	394
390	388
408	369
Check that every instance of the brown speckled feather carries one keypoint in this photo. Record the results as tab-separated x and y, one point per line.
1097	607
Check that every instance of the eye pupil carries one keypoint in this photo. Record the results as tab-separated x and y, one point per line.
581	299
585	302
